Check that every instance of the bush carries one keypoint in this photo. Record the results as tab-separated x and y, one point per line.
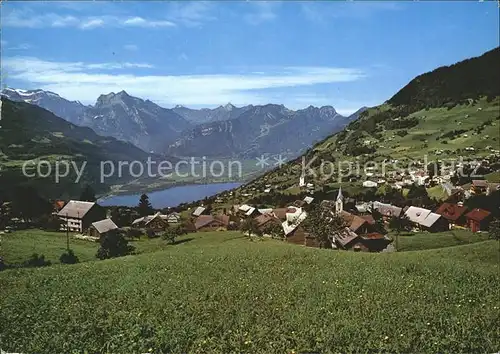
52	223
494	229
134	233
173	232
36	261
68	257
113	244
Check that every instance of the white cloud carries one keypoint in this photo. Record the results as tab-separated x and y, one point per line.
192	13
263	11
29	19
22	46
131	47
141	22
83	81
96	22
324	12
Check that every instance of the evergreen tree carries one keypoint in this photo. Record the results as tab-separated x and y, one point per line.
144	207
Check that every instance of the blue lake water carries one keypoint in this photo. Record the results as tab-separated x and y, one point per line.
172	196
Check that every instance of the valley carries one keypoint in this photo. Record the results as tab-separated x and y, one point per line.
250	177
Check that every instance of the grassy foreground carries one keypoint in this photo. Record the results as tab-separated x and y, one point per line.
223	293
424	240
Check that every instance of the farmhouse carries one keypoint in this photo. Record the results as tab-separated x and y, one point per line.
358	224
344	238
77	216
426	220
172	218
247	211
387	210
264	221
211	223
154	222
454	213
100	228
292	229
478	219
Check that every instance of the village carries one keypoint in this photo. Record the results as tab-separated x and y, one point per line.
356	225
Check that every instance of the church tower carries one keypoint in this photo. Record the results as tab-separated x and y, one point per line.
339	203
302	181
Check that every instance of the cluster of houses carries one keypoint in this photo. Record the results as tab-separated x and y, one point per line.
90	218
361	232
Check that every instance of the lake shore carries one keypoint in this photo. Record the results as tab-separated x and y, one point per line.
171	196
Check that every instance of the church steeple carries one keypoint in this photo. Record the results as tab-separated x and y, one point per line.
339	203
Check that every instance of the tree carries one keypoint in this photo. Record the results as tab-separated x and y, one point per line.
68	257
144	206
401	223
321	224
417	192
27	204
379	221
494	229
113	244
250	226
172	233
274	229
88	194
52	223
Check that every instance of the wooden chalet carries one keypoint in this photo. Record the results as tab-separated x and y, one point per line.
102	227
454	213
77	216
358	224
212	223
478	219
292	228
156	222
266	220
426	220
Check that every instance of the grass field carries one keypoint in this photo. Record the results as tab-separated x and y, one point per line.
19	246
425	241
220	292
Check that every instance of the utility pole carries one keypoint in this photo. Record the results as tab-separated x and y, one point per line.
67	232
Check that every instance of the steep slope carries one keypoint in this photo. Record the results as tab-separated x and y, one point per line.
268	129
32	133
128	118
444	122
61	107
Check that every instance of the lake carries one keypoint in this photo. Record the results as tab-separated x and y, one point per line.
172	196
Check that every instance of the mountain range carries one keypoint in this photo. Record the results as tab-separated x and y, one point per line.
31	133
260	130
219	132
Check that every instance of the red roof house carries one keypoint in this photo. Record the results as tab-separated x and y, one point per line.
454	213
478	219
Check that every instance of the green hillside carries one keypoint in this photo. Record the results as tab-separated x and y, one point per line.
29	132
449	113
223	293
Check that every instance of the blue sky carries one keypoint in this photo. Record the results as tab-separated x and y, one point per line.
203	54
